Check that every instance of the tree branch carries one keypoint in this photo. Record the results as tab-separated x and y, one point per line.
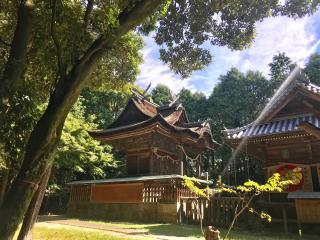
55	39
87	13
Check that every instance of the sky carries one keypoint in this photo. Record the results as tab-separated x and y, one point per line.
297	38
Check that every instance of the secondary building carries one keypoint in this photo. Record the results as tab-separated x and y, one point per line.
286	138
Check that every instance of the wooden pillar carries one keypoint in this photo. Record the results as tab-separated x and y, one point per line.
151	163
180	168
198	167
126	170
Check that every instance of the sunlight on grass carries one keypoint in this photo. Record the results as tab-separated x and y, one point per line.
191	232
51	231
156	228
67	233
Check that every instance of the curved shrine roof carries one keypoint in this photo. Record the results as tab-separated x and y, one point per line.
140	113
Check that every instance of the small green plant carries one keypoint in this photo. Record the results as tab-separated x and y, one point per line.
245	194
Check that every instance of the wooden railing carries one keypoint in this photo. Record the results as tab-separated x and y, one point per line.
217	211
80	193
164	193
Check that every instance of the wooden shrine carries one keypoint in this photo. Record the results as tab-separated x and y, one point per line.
286	138
157	141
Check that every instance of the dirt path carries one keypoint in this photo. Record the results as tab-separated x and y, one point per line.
130	232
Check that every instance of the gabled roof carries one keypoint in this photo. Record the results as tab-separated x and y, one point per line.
267	124
140	113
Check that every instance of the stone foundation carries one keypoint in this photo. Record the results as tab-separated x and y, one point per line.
142	212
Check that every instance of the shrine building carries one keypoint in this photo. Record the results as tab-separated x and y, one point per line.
286	139
157	142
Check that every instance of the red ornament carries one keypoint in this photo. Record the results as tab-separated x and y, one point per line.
283	170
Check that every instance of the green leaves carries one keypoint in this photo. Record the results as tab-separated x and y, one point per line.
79	156
191	184
189	26
161	95
280	68
313	69
274	184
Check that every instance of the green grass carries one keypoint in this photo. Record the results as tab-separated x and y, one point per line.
69	233
156	228
188	231
48	231
72	233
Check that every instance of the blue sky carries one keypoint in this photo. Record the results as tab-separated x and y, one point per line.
297	38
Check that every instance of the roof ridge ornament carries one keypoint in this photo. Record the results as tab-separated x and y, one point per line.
175	99
137	93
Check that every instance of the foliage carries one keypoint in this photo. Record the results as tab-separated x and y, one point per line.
79	156
2	159
22	110
187	25
21	117
161	95
245	194
104	106
250	189
280	68
195	105
237	93
192	184
274	184
312	69
236	101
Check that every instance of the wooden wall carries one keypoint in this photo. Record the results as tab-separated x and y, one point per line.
117	193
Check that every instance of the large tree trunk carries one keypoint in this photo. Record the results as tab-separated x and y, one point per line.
4	184
16	63
15	66
46	134
34	208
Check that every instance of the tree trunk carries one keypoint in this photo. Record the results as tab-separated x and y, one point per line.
46	134
4	185
16	63
34	208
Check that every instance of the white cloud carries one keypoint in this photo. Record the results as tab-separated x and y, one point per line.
281	34
157	72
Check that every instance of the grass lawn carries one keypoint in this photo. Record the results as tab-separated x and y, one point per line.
58	232
186	231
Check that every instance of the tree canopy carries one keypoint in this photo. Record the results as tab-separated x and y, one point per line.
161	94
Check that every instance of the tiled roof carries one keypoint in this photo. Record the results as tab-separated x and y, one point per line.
310	87
276	126
266	125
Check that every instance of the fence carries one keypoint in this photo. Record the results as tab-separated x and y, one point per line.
165	193
80	193
217	211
